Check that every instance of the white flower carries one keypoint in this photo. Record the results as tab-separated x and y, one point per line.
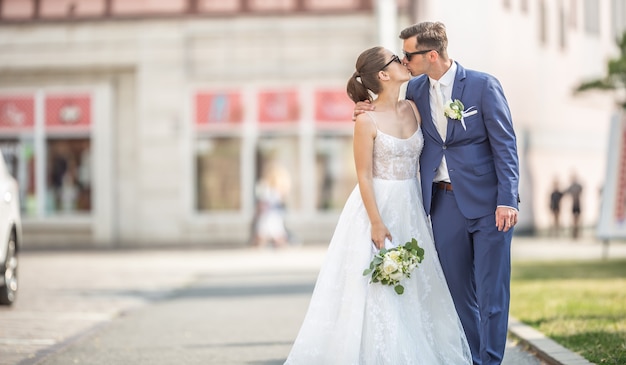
396	275
394	255
455	110
389	265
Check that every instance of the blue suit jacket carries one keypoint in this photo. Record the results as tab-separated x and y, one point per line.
482	160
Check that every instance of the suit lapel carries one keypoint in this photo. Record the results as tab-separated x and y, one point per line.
423	103
457	93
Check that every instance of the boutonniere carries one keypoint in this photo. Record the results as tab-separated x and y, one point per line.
455	110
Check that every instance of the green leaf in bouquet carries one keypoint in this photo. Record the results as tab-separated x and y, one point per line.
367	271
416	249
376	276
399	289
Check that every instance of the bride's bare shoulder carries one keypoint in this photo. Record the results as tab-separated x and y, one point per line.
365	122
412	108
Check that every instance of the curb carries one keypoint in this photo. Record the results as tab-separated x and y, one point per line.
544	348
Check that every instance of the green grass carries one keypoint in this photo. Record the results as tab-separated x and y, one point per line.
581	305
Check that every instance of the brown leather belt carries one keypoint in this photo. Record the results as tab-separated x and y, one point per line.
442	185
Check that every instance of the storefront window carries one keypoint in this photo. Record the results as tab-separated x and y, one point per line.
278	161
69	175
20	159
218	174
335	173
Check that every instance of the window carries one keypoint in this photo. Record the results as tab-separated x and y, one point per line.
68	175
272	5
68	153
277	157
592	17
562	27
143	7
573	14
543	23
332	4
71	8
20	160
218	176
335	172
49	152
618	9
524	6
219	6
17	9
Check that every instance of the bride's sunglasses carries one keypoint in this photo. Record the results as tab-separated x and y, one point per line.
393	59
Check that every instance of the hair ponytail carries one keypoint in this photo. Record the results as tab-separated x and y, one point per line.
365	79
356	90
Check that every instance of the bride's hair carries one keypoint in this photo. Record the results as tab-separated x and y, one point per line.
365	78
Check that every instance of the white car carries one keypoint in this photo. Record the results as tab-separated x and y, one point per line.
10	234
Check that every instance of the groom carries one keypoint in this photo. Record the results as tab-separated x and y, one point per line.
469	175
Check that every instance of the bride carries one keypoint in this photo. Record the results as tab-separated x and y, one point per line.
350	320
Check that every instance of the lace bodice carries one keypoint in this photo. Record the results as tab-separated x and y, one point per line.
396	158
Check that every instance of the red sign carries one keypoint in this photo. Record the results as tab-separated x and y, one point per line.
278	106
17	112
333	106
218	108
68	110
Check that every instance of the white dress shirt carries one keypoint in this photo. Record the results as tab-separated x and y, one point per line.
446	82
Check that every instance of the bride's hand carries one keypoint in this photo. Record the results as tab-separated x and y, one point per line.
379	233
362	107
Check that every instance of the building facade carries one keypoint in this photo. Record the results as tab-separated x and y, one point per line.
149	123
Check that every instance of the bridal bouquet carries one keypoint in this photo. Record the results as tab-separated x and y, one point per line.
389	266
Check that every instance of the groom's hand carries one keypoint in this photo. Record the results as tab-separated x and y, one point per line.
362	107
506	218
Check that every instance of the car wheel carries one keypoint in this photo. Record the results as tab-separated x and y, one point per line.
8	289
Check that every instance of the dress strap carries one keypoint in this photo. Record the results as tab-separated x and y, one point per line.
372	118
415	112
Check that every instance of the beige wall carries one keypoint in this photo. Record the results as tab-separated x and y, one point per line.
152	67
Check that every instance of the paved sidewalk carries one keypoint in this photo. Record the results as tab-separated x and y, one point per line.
67	296
162	307
563	248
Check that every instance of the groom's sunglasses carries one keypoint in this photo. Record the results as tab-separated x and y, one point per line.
408	55
393	59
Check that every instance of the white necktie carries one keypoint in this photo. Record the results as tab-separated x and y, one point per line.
442	121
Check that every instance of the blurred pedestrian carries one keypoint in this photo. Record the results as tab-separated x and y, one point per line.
555	207
575	191
271	194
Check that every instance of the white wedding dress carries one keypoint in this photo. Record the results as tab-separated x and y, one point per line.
353	322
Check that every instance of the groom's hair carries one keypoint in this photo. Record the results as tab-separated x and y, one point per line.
428	35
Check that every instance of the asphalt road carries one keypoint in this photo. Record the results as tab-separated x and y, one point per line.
174	306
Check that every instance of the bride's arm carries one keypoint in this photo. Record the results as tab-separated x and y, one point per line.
364	134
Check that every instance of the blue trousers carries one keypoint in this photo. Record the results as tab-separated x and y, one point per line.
476	261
